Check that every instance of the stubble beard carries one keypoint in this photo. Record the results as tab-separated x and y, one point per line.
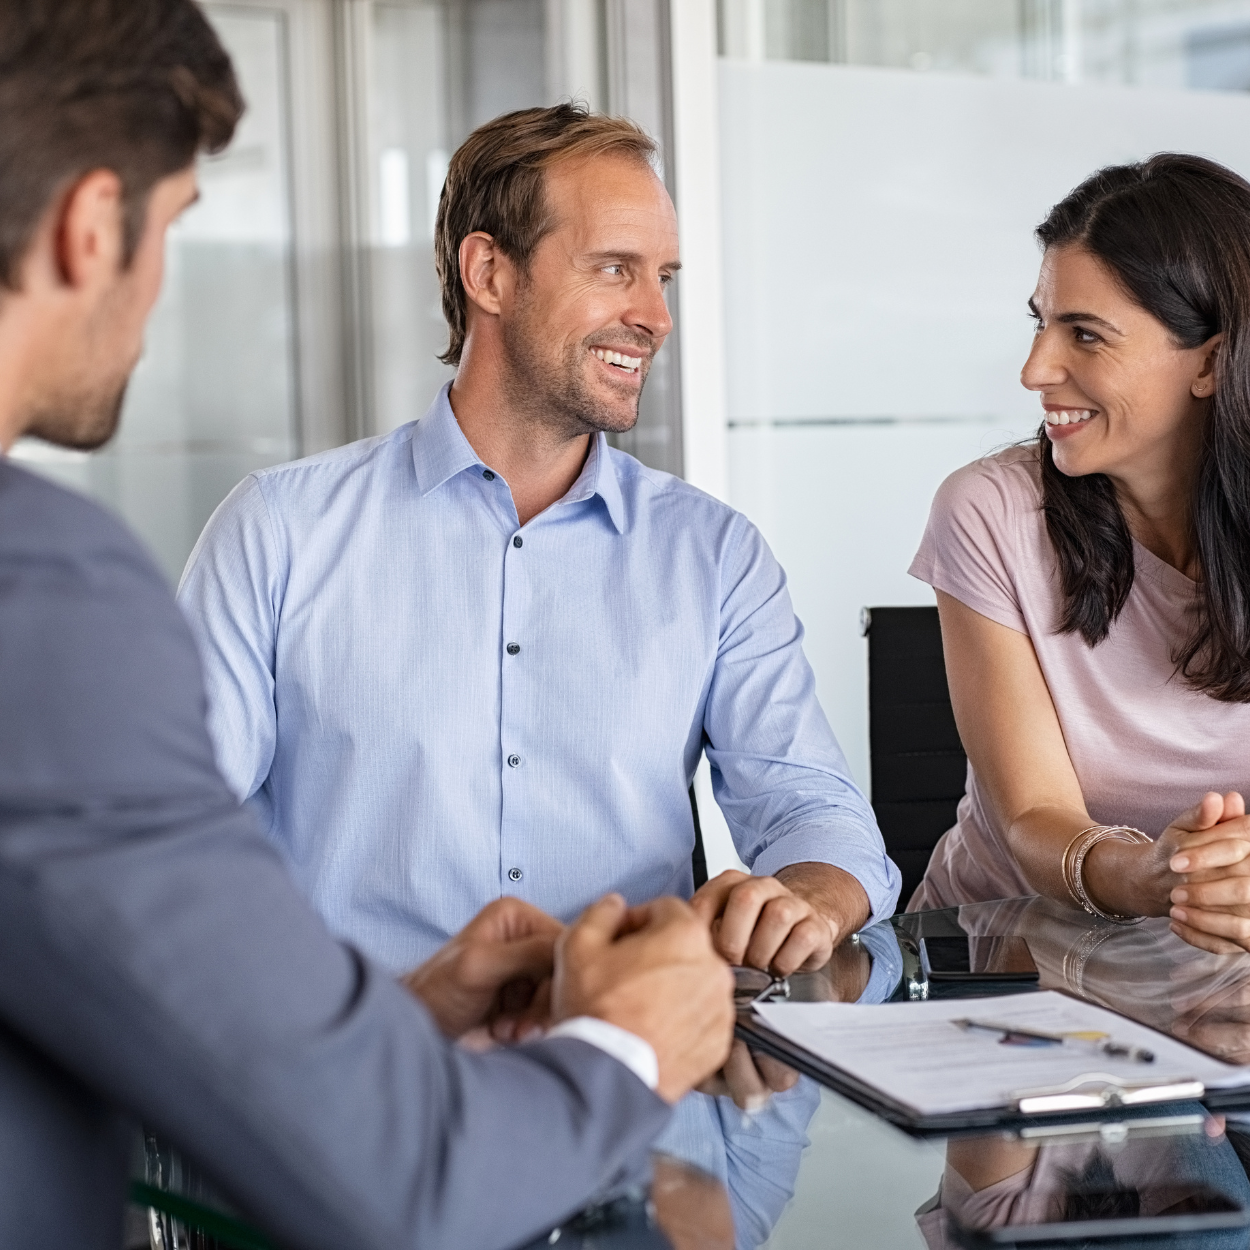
82	422
560	398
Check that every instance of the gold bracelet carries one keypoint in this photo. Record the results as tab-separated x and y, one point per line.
1074	865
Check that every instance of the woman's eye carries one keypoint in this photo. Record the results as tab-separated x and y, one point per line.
1084	336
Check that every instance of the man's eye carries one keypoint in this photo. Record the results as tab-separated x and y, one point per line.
665	279
615	270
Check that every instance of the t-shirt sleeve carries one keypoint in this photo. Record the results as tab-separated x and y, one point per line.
970	548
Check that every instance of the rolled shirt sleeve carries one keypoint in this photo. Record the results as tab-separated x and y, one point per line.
778	773
430	705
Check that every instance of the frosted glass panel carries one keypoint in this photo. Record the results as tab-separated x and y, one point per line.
878	226
1154	43
438	70
410	143
878	255
843	509
214	396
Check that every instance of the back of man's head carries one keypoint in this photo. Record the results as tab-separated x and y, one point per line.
495	184
134	86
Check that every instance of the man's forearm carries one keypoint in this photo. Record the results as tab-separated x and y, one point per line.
834	894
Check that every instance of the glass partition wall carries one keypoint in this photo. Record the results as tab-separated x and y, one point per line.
434	73
884	163
301	308
216	394
1148	43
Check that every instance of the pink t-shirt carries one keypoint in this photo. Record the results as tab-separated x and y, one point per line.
1144	744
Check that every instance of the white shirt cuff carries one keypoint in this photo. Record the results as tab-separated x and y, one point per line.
625	1047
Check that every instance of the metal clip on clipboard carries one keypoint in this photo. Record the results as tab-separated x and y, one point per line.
1093	1091
779	987
745	994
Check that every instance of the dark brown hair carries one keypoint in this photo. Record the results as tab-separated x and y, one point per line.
495	184
135	86
1175	232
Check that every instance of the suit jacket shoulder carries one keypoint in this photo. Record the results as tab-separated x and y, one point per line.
158	959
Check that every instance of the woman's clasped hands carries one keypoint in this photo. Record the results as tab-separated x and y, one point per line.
1208	849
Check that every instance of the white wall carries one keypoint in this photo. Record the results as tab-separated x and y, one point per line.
878	255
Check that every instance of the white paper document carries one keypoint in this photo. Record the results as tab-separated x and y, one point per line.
914	1054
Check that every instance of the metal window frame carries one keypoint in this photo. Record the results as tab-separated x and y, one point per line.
328	42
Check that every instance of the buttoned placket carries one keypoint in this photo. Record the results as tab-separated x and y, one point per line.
515	734
519	649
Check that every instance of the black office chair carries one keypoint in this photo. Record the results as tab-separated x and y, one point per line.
918	763
698	857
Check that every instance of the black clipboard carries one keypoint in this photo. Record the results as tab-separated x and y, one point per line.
758	1036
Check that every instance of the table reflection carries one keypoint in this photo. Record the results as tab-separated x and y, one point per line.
1187	1168
736	1166
1143	971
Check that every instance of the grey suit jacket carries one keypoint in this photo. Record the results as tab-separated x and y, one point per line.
156	963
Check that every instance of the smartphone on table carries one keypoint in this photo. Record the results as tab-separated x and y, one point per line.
974	958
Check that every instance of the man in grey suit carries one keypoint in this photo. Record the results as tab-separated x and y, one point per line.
156	963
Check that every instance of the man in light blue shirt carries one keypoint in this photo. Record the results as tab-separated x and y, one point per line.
482	655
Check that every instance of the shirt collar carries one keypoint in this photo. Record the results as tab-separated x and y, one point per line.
598	477
439	447
440	451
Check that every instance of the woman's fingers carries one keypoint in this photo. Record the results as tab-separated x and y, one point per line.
1226	1039
1223	933
1221	893
1208	811
1221	847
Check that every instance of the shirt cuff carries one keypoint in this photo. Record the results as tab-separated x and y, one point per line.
625	1047
858	851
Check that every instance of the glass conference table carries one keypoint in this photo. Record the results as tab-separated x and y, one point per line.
813	1168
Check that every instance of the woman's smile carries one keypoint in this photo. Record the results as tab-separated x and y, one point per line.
1064	422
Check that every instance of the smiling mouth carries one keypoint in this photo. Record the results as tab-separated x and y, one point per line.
623	363
1070	416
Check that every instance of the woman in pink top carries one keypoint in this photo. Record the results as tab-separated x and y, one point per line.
1094	589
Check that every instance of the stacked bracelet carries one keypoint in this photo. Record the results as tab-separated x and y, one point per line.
1074	864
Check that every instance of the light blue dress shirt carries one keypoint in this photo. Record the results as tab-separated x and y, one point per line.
431	705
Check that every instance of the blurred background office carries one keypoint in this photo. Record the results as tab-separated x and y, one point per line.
857	182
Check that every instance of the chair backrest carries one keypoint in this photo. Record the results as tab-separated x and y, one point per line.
918	763
698	857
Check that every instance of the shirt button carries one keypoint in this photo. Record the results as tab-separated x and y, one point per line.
488	475
513	760
514	648
515	874
517	540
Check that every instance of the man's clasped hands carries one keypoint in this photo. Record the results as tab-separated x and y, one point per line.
660	971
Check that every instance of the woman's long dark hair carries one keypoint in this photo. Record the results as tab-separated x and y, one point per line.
1175	230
